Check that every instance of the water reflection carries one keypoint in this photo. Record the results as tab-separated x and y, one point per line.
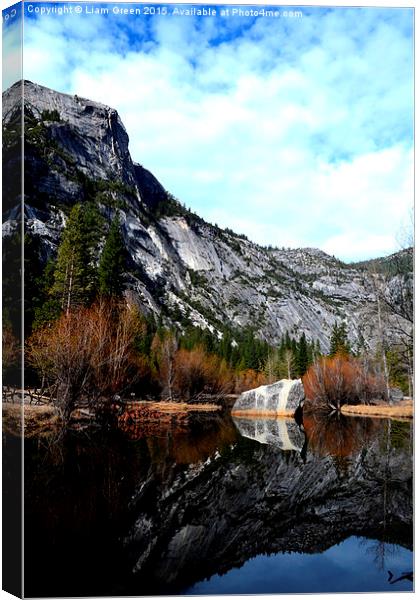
338	435
181	438
282	433
154	509
344	566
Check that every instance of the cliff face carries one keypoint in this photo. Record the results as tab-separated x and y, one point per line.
77	150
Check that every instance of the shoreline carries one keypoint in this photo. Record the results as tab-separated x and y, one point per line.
167	406
43	419
249	414
404	410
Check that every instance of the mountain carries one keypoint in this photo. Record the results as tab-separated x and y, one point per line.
180	267
397	263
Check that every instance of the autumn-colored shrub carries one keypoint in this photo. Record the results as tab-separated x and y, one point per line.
198	373
87	353
10	357
249	379
331	382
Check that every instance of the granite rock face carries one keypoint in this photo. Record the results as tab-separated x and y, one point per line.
277	398
77	150
396	395
90	131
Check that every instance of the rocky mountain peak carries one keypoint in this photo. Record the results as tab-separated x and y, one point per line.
181	267
91	132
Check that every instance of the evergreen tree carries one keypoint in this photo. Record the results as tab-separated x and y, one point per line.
317	350
339	343
302	355
112	262
226	346
75	271
12	271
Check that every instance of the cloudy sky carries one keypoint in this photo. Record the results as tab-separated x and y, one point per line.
295	131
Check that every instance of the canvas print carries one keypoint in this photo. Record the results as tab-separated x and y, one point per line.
207	299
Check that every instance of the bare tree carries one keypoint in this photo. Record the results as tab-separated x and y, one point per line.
87	354
394	294
289	361
164	348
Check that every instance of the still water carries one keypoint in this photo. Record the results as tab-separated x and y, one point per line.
212	505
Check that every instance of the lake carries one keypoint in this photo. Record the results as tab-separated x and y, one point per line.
211	505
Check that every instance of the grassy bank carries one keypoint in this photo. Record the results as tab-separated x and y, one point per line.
404	409
146	407
39	420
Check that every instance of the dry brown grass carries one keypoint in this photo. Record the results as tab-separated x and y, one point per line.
39	420
170	407
404	409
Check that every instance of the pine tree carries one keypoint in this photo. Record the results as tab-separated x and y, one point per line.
226	346
302	357
339	343
75	271
112	262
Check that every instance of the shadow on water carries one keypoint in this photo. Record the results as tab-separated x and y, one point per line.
156	508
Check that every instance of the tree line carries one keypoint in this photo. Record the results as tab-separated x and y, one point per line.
86	340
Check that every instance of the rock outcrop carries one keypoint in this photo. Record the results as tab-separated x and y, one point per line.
280	398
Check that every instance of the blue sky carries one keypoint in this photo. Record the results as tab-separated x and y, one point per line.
294	131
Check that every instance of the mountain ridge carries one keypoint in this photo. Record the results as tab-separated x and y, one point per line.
181	267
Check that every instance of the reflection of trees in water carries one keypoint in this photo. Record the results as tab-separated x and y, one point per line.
161	489
173	450
381	551
77	494
343	437
395	436
338	436
181	438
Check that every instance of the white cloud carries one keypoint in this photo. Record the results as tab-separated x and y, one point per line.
295	134
12	53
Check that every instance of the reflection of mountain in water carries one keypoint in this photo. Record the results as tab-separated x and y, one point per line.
282	433
252	500
136	520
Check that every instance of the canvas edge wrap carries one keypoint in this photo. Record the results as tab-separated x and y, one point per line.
12	307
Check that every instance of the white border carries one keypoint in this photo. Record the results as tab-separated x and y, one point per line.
332	3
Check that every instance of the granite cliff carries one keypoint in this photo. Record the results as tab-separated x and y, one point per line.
181	267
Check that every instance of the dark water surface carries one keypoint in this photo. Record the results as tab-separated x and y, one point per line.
212	506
